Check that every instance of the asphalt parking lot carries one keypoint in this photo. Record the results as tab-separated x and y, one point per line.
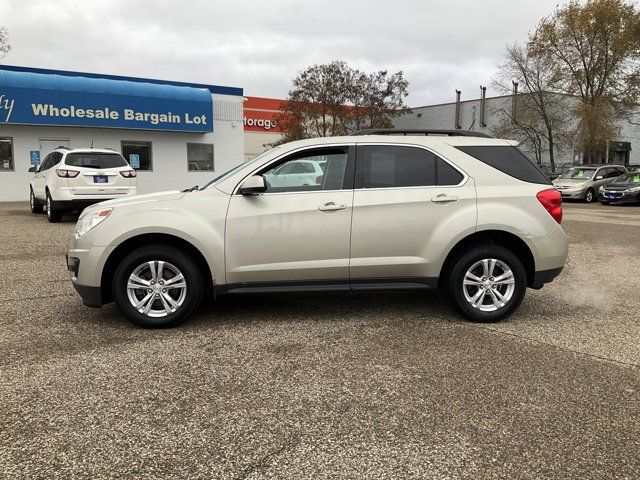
367	385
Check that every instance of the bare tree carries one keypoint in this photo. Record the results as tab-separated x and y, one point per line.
335	99
595	48
542	115
5	47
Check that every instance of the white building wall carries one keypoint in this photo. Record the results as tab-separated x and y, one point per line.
169	150
254	142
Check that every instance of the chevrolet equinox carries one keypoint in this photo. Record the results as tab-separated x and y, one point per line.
386	209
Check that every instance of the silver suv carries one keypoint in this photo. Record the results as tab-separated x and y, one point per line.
464	212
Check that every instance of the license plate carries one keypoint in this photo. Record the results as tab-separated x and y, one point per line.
100	179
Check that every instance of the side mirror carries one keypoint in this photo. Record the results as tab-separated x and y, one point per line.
33	169
599	177
253	185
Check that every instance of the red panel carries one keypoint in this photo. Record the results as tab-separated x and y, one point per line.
260	113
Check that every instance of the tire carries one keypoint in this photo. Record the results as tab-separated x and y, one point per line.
590	196
36	207
489	308
53	214
162	313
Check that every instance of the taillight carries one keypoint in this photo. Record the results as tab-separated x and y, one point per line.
67	173
551	200
319	180
128	173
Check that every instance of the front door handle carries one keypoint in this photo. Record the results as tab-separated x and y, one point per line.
331	207
444	198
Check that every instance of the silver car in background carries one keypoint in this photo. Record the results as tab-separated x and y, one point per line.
582	182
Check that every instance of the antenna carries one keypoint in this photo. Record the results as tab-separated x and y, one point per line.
92	143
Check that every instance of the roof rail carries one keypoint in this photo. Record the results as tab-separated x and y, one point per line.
403	131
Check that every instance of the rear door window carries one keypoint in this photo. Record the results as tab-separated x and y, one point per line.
509	160
388	166
95	160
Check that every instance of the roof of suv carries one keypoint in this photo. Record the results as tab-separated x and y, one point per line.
414	139
85	150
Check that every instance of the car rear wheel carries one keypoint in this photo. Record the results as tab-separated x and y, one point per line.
157	286
487	283
36	207
53	214
590	196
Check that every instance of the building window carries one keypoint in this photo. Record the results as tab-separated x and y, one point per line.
6	154
138	154
200	157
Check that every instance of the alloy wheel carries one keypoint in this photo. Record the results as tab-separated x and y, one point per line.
156	288
589	196
488	285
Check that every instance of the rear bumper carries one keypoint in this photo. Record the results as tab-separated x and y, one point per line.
79	204
545	276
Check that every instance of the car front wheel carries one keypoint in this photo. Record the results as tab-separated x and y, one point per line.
487	283
157	286
589	196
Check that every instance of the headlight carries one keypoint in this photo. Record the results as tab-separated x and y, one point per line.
89	220
601	189
579	185
632	190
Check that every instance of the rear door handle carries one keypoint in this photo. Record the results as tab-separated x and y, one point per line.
331	207
444	198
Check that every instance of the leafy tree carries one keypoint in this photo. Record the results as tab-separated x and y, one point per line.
335	99
5	47
541	116
595	52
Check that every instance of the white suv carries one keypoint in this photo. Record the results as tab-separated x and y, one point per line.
72	179
470	214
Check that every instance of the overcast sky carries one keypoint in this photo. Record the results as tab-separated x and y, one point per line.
261	45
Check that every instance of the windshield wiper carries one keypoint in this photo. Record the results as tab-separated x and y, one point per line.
195	187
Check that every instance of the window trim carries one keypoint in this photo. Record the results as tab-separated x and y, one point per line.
464	174
213	157
13	156
151	162
351	160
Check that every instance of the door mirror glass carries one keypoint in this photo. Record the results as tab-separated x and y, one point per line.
253	185
599	177
33	169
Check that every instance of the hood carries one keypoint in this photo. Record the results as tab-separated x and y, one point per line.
149	197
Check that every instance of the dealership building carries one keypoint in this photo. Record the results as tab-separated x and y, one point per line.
174	134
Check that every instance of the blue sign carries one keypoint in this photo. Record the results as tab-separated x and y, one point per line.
49	99
34	156
134	160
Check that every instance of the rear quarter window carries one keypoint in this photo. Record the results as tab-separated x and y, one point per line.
509	160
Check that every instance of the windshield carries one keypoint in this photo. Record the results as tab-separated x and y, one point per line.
228	173
631	178
95	160
579	173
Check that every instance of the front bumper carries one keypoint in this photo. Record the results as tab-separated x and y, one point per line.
573	193
91	296
610	196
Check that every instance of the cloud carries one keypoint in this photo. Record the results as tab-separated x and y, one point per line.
260	46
